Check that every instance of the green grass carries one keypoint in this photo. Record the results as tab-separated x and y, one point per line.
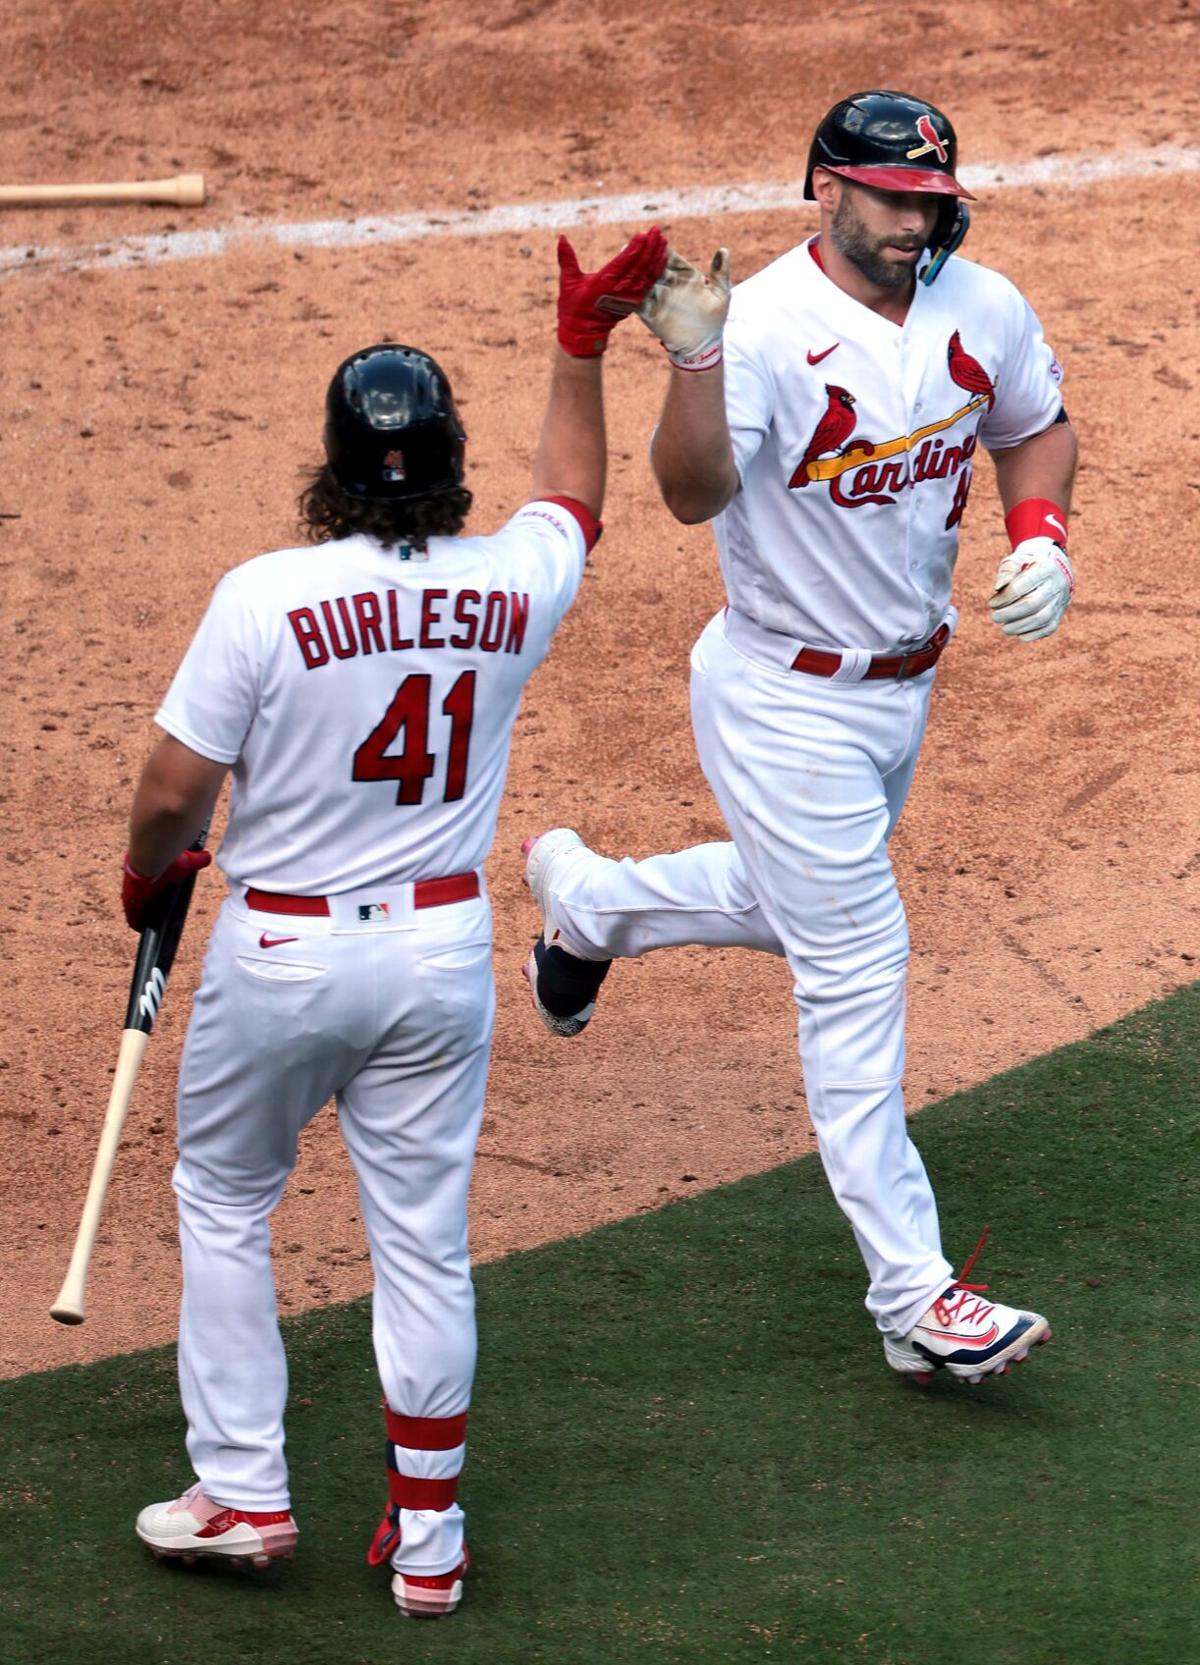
685	1444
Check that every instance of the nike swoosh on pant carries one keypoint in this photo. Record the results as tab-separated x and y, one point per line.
274	942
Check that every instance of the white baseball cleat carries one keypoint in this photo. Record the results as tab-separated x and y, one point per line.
193	1525
966	1335
563	986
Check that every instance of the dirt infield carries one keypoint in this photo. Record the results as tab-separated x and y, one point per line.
154	420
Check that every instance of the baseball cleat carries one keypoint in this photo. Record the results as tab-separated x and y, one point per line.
966	1335
417	1595
421	1597
193	1525
563	986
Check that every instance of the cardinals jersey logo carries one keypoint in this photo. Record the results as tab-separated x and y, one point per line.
861	471
927	131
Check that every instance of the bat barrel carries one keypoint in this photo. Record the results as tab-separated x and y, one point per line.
68	1308
186	190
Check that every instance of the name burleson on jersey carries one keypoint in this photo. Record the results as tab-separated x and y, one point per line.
369	623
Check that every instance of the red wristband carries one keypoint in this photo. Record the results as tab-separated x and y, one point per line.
1036	517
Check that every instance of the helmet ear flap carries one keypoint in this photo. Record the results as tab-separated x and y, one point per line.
949	230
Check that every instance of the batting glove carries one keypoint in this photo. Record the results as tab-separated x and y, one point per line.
137	891
687	310
592	304
1033	590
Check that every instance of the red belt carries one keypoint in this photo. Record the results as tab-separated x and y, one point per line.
427	893
818	662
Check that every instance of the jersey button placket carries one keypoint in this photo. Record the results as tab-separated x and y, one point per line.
913	366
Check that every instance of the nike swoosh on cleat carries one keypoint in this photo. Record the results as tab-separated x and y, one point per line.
815	358
274	942
963	1340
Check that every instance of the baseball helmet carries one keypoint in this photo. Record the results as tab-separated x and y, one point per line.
895	143
391	429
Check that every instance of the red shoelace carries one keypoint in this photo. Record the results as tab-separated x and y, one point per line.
961	1309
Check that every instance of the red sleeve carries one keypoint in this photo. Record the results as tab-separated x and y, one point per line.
588	524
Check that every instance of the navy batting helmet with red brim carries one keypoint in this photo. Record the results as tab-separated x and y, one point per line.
888	140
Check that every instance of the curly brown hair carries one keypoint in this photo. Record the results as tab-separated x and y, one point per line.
328	513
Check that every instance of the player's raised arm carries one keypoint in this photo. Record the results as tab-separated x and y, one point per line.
572	452
691	452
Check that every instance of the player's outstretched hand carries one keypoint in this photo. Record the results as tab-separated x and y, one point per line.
592	304
1034	586
137	891
686	310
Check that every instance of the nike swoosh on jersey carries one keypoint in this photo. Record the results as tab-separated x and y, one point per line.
815	358
274	942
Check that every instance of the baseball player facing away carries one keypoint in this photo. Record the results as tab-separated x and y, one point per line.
363	691
828	427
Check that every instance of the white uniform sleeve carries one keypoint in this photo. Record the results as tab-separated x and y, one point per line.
1027	392
214	696
555	542
749	399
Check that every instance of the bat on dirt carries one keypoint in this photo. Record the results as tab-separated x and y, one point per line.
155	956
186	190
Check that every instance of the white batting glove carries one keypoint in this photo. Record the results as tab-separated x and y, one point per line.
1034	586
686	310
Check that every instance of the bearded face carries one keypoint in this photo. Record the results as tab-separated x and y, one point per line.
883	233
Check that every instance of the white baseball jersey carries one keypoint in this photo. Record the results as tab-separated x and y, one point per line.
854	439
366	701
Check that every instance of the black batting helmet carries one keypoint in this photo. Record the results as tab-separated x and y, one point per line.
391	429
895	143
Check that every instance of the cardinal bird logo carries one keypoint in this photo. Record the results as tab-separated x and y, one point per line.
831	432
927	131
967	372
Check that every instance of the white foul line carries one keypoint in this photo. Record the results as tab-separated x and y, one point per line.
1067	172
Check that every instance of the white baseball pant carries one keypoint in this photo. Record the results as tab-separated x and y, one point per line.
395	1022
811	775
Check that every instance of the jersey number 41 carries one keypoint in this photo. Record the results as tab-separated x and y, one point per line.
412	767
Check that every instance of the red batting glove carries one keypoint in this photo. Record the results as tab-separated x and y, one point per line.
591	304
137	891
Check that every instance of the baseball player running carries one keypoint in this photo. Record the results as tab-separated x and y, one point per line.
828	427
363	692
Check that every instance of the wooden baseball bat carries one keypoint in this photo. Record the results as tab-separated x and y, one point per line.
186	190
155	957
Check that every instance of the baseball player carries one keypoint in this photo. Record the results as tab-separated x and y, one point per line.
363	691
826	419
